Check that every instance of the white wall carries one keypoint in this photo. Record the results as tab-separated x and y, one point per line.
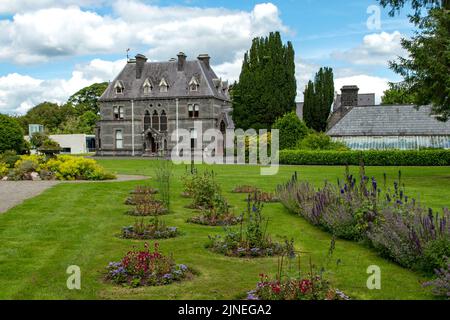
76	142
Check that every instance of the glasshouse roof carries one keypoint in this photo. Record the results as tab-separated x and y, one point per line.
389	121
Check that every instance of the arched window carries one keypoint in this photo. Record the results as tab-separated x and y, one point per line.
147	120
163	121
155	120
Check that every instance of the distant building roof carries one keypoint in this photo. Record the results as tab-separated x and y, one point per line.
389	121
364	99
178	81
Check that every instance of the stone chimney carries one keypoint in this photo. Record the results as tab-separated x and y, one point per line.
349	96
181	61
205	58
140	63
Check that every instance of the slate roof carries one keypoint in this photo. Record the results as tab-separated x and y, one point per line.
209	84
389	121
364	99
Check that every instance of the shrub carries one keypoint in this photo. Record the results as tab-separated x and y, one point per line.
3	169
292	129
10	158
155	229
77	168
144	190
218	215
145	268
11	135
320	141
153	208
245	189
370	158
441	285
202	188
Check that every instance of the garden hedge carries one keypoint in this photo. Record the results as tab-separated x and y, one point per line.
370	158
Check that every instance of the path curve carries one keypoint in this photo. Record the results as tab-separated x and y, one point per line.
13	193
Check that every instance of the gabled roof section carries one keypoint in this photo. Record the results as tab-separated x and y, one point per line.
178	81
399	120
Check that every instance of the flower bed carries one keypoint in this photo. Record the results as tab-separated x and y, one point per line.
145	268
144	190
139	198
309	288
217	215
393	223
252	239
154	230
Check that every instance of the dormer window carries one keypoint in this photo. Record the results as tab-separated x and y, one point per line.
148	87
163	86
119	87
193	84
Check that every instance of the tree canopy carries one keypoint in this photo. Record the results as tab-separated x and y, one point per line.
397	95
426	70
87	98
292	129
11	135
319	96
267	85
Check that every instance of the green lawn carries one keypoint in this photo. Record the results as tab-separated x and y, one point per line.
77	224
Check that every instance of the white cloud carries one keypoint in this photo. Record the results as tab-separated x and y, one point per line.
37	36
15	6
376	49
366	84
19	93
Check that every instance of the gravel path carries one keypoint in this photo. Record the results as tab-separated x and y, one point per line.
13	193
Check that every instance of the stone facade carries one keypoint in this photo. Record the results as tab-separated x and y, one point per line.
155	97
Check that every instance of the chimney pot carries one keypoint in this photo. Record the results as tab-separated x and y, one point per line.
205	58
181	61
140	62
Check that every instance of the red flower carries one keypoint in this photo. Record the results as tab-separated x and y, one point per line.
305	286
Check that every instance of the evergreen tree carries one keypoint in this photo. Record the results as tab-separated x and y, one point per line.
267	86
319	97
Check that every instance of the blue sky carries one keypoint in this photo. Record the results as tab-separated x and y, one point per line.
51	47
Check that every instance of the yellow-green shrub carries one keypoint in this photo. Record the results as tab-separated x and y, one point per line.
36	160
3	169
77	168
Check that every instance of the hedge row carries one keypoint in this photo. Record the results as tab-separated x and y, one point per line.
370	158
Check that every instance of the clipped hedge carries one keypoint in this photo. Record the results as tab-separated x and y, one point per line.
370	158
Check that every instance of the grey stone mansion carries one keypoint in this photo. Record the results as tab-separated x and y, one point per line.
148	101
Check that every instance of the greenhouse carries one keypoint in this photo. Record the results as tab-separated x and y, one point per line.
391	127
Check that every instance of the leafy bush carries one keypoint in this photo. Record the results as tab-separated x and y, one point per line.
145	268
320	141
370	158
202	187
152	208
292	129
441	285
218	215
77	168
3	169
11	135
144	190
9	157
155	229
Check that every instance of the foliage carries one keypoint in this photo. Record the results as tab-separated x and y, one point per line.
146	268
86	100
392	222
320	141
425	70
217	215
150	208
202	187
76	168
155	229
38	139
397	95
252	239
144	190
11	135
48	114
245	189
79	124
319	96
267	86
441	285
9	157
4	169
264	197
163	173
370	158
292	129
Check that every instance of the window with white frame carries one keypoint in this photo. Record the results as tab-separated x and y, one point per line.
119	87
119	139
163	85
119	113
148	87
194	111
